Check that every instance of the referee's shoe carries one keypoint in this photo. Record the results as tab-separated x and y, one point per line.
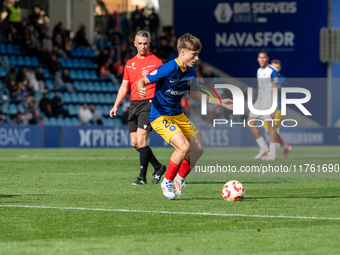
158	174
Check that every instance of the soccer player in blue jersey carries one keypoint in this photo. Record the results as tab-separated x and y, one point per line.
277	115
173	79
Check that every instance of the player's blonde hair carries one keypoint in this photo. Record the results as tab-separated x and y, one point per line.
189	42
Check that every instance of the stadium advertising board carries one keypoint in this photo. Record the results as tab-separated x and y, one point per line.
233	32
22	137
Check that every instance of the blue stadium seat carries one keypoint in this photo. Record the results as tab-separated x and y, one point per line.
80	74
108	98
53	121
5	108
71	109
68	63
77	85
120	111
93	75
102	99
118	121
20	61
35	61
2	72
81	98
67	121
60	121
46	121
73	52
104	86
73	74
77	107
92	52
88	98
82	63
83	86
95	98
106	110
66	97
99	108
96	86
28	61
90	86
78	52
12	60
87	75
114	96
13	110
21	108
75	63
89	63
49	84
110	121
117	86
10	49
50	95
3	49
38	95
75	121
74	98
110	86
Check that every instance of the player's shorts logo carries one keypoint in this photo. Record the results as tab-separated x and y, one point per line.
172	128
145	72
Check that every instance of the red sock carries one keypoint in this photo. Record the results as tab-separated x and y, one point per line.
171	171
185	168
279	140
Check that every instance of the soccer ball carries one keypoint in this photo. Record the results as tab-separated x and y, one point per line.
233	191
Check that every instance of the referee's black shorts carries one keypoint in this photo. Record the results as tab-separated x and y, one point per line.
139	115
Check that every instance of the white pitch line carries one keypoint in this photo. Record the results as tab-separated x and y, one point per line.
167	212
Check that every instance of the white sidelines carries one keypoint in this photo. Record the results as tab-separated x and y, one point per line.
167	212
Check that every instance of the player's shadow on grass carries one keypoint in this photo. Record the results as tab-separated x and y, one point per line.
11	196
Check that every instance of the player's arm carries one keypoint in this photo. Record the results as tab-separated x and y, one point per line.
124	87
141	86
226	102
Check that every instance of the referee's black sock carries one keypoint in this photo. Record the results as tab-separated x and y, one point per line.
144	161
154	162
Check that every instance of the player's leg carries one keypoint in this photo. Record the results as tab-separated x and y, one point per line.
286	147
271	155
195	152
166	127
146	154
256	133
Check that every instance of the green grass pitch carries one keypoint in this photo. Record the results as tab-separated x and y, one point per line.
66	188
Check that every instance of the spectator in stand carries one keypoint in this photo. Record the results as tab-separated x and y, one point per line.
27	45
208	72
4	119
111	24
67	80
97	116
4	61
58	105
57	52
54	64
105	71
21	119
21	75
81	37
58	29
125	26
34	35
67	45
47	43
102	57
12	33
14	14
44	56
164	51
33	115
10	76
60	84
40	75
153	24
116	37
13	89
21	29
126	110
85	115
30	75
45	105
